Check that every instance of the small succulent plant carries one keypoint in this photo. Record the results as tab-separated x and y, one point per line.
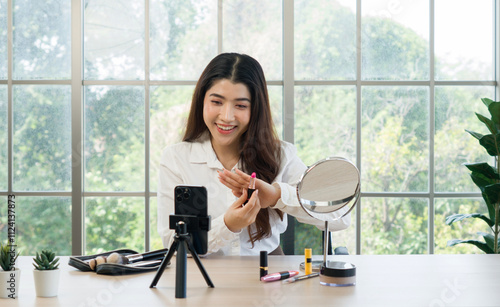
7	257
46	260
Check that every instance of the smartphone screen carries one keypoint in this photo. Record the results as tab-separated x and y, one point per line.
192	200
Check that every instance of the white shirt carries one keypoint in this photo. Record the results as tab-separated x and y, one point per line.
195	163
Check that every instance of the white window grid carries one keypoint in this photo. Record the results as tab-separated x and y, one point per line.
288	83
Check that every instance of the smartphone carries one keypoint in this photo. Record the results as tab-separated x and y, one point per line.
192	200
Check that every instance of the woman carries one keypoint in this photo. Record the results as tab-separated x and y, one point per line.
229	135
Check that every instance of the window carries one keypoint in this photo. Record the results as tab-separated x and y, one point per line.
91	91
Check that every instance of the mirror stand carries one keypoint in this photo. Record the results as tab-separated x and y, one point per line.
335	273
325	187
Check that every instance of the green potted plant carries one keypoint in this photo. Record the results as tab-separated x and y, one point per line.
46	273
487	178
9	275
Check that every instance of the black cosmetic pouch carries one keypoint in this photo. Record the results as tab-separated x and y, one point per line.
82	264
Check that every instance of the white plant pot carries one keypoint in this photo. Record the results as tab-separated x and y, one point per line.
9	283
46	282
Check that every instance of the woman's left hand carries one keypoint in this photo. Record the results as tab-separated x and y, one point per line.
238	180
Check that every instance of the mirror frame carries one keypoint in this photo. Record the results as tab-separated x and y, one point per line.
352	200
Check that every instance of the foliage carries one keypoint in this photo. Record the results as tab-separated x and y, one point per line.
487	178
394	121
114	222
40	222
8	257
46	260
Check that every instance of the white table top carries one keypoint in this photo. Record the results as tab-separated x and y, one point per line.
385	280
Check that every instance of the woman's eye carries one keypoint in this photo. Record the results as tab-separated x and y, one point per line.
241	106
216	102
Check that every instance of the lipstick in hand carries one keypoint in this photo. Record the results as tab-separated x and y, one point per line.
251	187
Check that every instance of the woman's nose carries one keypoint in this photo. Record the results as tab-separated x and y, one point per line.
227	112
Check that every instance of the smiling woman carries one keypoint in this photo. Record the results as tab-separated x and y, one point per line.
230	128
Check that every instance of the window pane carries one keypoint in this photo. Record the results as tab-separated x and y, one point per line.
42	39
3	138
183	38
114	39
155	238
114	138
394	226
43	222
3	218
114	223
255	28
169	111
464	41
42	137
325	122
347	237
395	139
276	102
3	39
395	40
309	236
325	40
453	146
463	230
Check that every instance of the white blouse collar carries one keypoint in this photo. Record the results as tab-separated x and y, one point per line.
202	152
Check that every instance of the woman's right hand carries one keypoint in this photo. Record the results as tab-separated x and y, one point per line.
238	216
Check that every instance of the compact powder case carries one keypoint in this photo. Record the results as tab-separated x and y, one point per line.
337	274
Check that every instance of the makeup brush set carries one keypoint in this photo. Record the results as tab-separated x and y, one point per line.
119	262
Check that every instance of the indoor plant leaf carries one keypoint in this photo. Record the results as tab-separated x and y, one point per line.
490	143
492	191
487	179
483	168
486	101
489	123
475	134
494	108
481	245
481	180
488	238
458	217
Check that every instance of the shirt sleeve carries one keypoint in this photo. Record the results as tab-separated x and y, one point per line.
292	170
171	174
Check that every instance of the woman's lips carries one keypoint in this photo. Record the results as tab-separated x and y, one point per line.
225	129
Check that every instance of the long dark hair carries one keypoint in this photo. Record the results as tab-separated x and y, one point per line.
260	149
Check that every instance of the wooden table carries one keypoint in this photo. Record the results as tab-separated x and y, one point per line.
386	280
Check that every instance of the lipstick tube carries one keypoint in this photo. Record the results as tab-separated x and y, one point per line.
251	187
279	276
263	264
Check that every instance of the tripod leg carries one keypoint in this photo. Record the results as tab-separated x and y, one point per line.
200	265
180	270
164	263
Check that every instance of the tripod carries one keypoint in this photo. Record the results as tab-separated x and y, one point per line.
181	243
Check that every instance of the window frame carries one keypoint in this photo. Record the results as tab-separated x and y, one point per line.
288	83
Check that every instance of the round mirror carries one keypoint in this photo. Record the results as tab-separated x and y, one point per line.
327	186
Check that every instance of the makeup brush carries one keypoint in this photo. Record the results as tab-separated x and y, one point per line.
127	259
93	263
121	259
